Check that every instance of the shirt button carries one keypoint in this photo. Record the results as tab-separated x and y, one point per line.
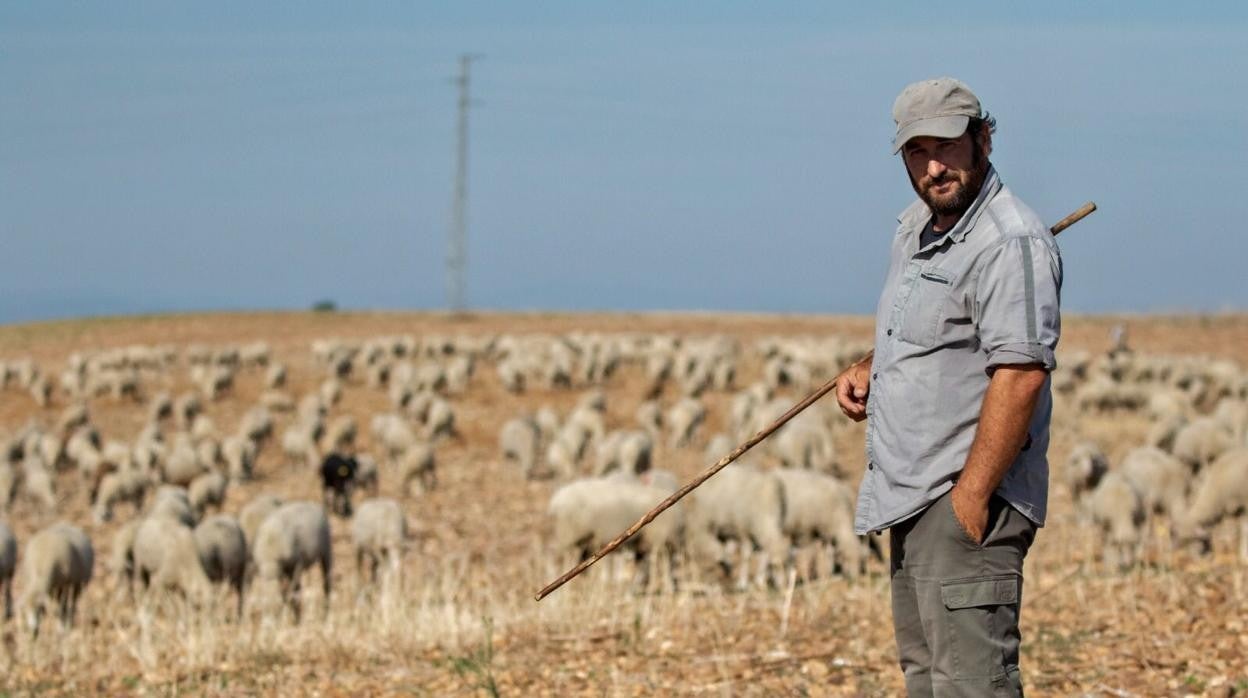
876	376
870	466
890	333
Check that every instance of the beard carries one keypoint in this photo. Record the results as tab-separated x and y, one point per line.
964	186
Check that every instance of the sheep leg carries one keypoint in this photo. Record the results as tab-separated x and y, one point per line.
326	579
8	599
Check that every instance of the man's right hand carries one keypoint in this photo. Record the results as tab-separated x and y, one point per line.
852	387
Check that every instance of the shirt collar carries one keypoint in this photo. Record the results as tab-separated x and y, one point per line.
916	215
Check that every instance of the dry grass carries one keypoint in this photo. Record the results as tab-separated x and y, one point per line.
462	619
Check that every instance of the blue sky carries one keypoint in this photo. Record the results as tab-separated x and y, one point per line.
176	156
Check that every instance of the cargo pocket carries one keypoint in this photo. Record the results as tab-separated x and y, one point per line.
924	307
982	621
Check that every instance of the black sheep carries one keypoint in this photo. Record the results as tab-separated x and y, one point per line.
337	482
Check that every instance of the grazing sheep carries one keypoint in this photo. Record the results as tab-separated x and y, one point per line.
589	512
37	483
1201	441
165	557
222	550
1160	479
277	401
1115	506
117	487
518	441
1085	467
417	464
330	392
367	474
820	507
275	377
379	531
649	416
256	425
684	418
183	464
8	563
299	445
122	559
626	451
340	436
239	454
1163	432
439	420
291	540
1222	491
207	490
805	444
56	566
254	513
742	503
338	482
173	503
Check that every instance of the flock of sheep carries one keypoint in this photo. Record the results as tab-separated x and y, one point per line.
1191	469
785	510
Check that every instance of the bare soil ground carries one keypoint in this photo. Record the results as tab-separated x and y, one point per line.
464	621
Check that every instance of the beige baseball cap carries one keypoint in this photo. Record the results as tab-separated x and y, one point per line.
941	107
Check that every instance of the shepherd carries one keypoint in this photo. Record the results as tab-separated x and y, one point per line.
957	400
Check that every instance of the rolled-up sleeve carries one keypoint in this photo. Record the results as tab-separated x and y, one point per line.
1017	300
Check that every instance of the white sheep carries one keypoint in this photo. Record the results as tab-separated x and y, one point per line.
56	566
37	483
8	563
745	504
379	532
183	463
1085	467
649	416
289	541
367	473
518	442
255	512
117	487
222	550
1202	440
207	490
1115	506
1160	479
626	451
1222	491
165	558
122	557
589	512
239	454
819	507
684	418
173	503
418	465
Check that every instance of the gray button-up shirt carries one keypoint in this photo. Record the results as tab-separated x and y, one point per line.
984	295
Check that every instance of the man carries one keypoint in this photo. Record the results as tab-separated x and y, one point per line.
956	397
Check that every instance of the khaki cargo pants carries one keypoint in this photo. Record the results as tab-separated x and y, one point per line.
956	602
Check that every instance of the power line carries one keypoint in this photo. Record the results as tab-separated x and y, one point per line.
457	254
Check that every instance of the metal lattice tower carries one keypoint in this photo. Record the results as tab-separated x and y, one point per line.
457	254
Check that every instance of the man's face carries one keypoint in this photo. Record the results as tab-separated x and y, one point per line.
947	173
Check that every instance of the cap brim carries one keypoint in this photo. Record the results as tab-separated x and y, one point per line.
937	127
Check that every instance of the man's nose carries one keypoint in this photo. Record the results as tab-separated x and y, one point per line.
935	168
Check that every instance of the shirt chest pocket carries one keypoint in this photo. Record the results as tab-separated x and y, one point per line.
924	307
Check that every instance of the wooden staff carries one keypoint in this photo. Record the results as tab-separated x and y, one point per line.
753	441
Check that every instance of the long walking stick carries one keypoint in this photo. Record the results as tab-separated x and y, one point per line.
753	441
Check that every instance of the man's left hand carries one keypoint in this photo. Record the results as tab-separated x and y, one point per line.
971	511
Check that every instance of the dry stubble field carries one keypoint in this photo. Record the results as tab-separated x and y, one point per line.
465	621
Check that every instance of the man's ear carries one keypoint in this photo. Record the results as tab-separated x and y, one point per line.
985	140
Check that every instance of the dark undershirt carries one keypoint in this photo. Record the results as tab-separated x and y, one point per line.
929	235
